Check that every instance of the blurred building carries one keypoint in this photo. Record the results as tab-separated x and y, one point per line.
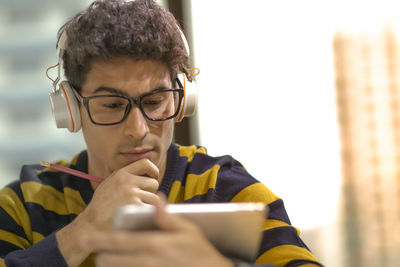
368	95
28	31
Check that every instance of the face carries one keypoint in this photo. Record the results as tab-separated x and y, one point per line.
113	147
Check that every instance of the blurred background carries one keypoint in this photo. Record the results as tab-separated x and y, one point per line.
304	93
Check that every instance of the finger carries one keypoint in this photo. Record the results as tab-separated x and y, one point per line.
127	241
166	221
139	196
148	184
125	178
106	259
143	167
163	198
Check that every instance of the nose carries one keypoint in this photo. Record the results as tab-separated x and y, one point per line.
136	125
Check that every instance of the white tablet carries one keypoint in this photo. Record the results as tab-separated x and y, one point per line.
233	228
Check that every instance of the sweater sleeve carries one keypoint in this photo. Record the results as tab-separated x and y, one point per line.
281	244
33	256
19	244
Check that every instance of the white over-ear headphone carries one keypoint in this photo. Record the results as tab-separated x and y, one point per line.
65	106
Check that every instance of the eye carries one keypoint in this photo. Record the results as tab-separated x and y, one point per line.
153	100
108	103
113	105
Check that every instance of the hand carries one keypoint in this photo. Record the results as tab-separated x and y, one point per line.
136	183
178	243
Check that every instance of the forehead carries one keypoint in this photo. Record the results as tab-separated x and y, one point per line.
133	77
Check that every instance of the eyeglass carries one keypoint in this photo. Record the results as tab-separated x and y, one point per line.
158	105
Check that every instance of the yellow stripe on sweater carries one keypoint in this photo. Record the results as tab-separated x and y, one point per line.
270	224
53	200
19	241
256	192
11	203
37	237
14	239
280	255
74	201
176	193
199	184
190	151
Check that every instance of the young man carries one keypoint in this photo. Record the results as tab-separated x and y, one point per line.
122	59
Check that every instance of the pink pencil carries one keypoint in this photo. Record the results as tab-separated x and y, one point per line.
71	171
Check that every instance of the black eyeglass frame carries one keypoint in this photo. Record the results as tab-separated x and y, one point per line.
132	101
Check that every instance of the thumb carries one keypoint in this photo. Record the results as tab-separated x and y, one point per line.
166	221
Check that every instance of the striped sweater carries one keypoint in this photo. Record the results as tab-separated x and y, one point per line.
43	201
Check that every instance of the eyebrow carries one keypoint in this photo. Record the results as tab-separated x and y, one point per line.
110	90
120	92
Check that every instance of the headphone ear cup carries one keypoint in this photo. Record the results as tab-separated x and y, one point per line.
189	100
65	108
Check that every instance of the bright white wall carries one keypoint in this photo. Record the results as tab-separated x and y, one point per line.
266	96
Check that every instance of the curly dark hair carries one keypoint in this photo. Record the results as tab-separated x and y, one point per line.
107	28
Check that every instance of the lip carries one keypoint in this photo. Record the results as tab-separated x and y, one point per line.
137	154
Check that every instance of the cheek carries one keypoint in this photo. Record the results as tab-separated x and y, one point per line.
170	132
164	131
95	135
